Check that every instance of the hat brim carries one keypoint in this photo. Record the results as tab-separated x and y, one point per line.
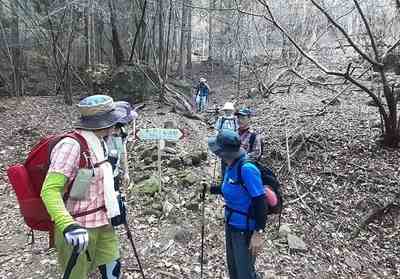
100	121
213	146
241	114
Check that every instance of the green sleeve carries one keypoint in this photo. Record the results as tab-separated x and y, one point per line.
52	191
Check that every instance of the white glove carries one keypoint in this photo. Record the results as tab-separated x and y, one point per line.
77	236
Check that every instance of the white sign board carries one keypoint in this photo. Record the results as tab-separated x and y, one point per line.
159	134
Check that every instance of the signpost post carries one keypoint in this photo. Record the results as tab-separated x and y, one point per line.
159	135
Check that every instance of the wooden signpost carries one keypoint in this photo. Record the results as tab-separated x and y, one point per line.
160	135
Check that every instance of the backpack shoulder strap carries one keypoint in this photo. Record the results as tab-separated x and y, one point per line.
84	148
239	171
223	119
252	140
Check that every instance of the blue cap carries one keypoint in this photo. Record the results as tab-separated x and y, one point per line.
245	112
227	141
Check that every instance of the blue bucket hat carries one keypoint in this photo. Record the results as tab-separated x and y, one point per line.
226	143
126	109
98	112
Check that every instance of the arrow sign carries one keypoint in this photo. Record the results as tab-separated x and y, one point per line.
159	134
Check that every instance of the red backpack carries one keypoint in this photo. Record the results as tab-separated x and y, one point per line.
27	181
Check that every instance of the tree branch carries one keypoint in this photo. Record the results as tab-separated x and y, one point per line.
351	42
396	44
370	35
321	67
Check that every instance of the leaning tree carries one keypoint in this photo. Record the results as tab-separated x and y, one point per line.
377	60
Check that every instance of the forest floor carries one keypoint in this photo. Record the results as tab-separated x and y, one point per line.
336	175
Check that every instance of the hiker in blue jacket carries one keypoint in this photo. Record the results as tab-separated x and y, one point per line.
202	91
245	206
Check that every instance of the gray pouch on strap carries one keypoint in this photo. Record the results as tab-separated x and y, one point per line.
81	184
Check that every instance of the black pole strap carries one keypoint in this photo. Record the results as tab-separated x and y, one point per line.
71	262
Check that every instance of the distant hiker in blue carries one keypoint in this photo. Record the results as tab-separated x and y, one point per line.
245	206
202	91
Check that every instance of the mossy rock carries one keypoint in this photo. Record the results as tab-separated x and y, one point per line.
189	179
131	83
149	186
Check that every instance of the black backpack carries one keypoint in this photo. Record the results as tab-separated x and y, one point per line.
252	140
269	179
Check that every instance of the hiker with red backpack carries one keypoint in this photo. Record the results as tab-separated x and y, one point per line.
247	203
82	211
66	187
251	141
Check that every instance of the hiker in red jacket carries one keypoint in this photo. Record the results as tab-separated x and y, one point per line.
82	220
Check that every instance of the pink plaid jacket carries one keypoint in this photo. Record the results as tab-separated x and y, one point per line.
65	159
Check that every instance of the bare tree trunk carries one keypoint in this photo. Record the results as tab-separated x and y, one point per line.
174	58
189	39
140	34
240	72
160	36
67	75
16	51
153	40
117	49
165	69
181	71
100	38
210	29
87	42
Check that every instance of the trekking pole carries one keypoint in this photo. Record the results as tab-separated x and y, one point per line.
203	198
129	235
71	262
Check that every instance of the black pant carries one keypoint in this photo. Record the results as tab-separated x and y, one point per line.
240	261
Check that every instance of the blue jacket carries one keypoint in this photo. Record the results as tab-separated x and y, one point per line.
239	198
203	90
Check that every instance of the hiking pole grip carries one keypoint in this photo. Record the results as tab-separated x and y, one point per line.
71	262
129	235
